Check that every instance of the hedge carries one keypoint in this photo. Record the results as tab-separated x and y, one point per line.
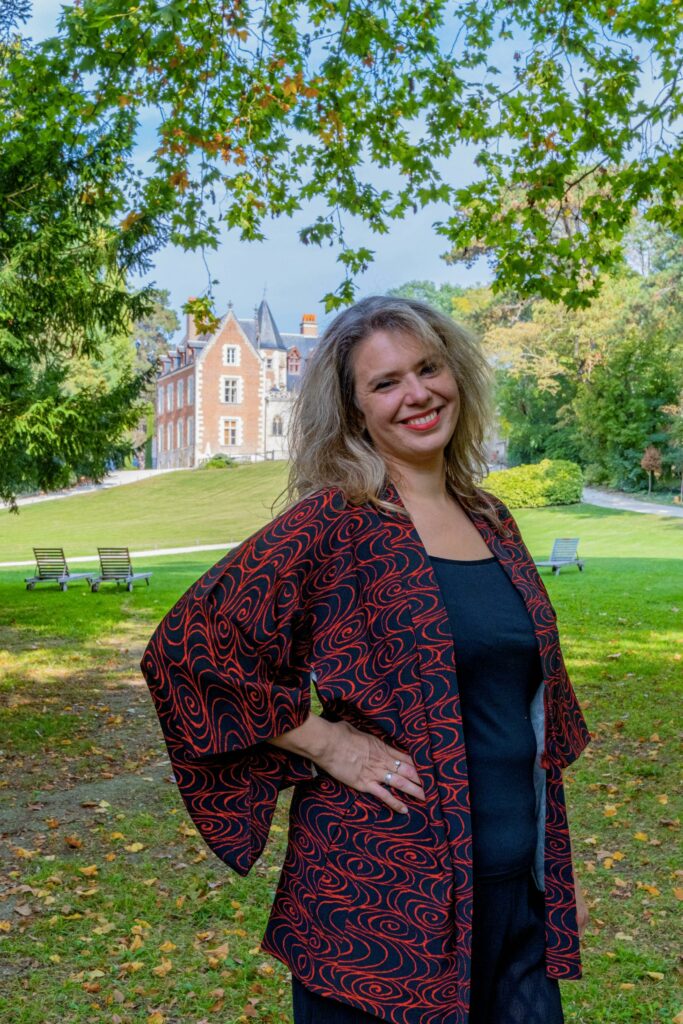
550	482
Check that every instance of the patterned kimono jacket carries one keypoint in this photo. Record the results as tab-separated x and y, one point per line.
373	908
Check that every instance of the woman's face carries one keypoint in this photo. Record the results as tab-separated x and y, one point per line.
408	398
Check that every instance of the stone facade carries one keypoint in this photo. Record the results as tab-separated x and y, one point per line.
231	392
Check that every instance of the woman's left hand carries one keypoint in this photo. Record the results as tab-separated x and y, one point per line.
581	909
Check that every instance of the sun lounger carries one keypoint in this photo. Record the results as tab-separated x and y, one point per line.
564	553
115	567
51	567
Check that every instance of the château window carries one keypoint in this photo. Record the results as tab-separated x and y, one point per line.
231	431
294	362
231	355
277	426
231	390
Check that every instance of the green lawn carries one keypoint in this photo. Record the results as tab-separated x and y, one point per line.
180	509
112	911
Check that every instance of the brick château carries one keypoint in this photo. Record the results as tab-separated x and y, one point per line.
232	391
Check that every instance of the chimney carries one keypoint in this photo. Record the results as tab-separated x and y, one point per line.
309	325
191	329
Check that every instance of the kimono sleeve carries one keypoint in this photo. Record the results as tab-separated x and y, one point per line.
569	733
227	670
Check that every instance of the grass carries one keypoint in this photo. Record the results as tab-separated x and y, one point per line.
113	910
181	509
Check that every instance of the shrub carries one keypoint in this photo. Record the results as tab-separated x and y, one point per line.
219	461
549	482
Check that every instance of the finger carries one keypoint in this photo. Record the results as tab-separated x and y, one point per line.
406	767
403	784
387	797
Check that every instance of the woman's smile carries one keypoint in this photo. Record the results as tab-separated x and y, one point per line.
424	421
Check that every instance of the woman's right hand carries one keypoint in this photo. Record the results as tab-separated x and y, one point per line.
357	759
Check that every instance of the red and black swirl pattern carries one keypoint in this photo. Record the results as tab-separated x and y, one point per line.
372	908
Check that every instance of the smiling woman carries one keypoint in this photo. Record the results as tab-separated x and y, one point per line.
428	876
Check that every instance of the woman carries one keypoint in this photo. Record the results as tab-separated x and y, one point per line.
428	876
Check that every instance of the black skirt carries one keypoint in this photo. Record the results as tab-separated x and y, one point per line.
509	983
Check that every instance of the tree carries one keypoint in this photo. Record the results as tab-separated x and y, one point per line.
651	462
440	296
153	332
151	336
674	435
262	108
64	266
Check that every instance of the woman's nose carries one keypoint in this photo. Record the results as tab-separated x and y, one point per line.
416	391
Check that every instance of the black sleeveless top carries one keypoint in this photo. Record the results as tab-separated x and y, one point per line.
498	670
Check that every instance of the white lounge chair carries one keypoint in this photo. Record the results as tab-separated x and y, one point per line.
51	567
564	553
115	567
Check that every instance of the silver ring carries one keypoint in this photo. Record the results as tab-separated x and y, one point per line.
397	765
387	778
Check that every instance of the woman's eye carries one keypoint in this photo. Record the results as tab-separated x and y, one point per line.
429	368
382	384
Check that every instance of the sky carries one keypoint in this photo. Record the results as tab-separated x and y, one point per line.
292	276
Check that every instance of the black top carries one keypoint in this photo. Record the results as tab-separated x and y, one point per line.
498	671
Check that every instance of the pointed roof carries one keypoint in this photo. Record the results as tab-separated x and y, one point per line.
267	334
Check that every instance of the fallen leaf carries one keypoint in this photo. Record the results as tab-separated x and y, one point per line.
627	986
5	926
163	968
662	798
167	947
610	810
74	842
624	937
134	847
678	893
89	871
156	1018
655	975
642	837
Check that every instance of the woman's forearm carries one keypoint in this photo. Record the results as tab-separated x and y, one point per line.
310	739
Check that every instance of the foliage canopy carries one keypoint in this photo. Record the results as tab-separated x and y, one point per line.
260	108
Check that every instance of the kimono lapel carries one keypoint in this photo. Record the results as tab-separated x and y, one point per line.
434	640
